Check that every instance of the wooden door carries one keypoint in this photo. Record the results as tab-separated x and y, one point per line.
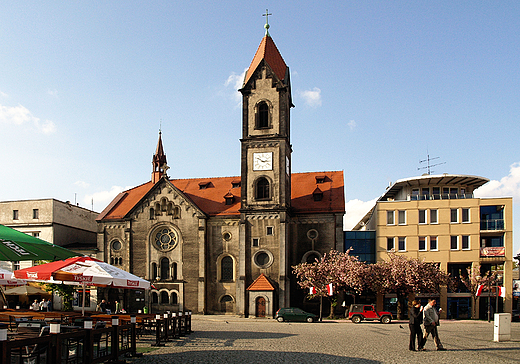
260	307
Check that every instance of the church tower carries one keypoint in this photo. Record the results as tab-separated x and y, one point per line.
159	161
266	169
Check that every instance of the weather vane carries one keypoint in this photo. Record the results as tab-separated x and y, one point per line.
266	26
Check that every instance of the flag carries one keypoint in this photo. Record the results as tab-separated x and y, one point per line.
312	290
151	285
330	290
502	291
479	290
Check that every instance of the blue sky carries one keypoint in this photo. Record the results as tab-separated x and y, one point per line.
377	87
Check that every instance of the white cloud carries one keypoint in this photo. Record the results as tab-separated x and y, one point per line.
354	212
311	97
352	124
53	93
3	94
103	198
82	184
508	186
235	81
19	115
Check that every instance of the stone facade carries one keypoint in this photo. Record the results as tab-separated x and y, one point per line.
203	242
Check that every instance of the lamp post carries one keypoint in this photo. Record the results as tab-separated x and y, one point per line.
499	278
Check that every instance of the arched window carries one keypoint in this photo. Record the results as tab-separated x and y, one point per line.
174	300
262	189
152	213
226	304
165	298
165	268
154	271
262	121
155	298
226	266
174	271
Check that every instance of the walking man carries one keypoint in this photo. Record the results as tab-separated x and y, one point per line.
416	318
431	322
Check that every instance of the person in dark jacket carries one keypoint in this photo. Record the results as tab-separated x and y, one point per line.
416	318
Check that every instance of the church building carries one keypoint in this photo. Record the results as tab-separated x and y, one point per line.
227	244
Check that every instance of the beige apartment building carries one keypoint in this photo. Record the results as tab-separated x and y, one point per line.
438	218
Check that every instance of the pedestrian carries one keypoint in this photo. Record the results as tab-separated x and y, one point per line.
103	306
416	318
42	304
35	306
431	322
118	307
46	304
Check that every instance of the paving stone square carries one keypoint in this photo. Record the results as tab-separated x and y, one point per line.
229	339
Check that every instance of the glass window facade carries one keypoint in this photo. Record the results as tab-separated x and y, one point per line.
363	245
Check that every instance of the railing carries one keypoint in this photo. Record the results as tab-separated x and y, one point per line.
170	326
492	224
442	196
74	347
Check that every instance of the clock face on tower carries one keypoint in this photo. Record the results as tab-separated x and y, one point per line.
262	161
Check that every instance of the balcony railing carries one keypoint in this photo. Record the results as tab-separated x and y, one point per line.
492	224
443	196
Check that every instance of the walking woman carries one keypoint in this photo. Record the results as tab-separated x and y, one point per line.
416	318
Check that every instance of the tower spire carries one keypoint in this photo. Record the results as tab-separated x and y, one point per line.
266	26
159	161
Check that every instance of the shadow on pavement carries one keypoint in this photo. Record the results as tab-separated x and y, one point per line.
251	357
235	335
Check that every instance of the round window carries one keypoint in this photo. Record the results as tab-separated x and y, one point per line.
226	236
166	239
263	259
312	234
116	245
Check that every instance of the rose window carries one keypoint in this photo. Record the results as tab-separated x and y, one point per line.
166	239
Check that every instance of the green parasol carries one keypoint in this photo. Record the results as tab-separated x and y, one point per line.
16	246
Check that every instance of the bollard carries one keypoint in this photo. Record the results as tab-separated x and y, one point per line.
133	322
165	316
115	337
55	328
158	331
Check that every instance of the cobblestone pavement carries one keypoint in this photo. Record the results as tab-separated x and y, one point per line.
227	339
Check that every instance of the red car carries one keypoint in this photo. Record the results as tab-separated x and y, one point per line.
358	313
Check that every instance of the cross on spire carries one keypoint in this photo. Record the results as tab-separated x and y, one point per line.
266	26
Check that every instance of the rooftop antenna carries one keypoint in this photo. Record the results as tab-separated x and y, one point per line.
429	165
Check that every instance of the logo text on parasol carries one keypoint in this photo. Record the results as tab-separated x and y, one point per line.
79	278
131	283
15	247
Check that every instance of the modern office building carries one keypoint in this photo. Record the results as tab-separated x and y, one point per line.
437	218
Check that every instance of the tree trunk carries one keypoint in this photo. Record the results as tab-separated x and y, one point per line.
400	306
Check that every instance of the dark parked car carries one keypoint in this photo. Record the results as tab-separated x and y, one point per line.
294	314
359	313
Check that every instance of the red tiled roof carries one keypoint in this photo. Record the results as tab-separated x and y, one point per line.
267	51
261	284
211	200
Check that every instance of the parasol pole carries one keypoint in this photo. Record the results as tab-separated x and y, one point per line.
3	295
83	301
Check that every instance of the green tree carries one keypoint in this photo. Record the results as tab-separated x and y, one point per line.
66	292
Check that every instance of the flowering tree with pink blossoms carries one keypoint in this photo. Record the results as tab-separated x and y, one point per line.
343	271
404	276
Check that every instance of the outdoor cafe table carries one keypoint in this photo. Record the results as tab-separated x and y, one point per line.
124	318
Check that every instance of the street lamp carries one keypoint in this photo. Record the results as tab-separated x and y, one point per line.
499	278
